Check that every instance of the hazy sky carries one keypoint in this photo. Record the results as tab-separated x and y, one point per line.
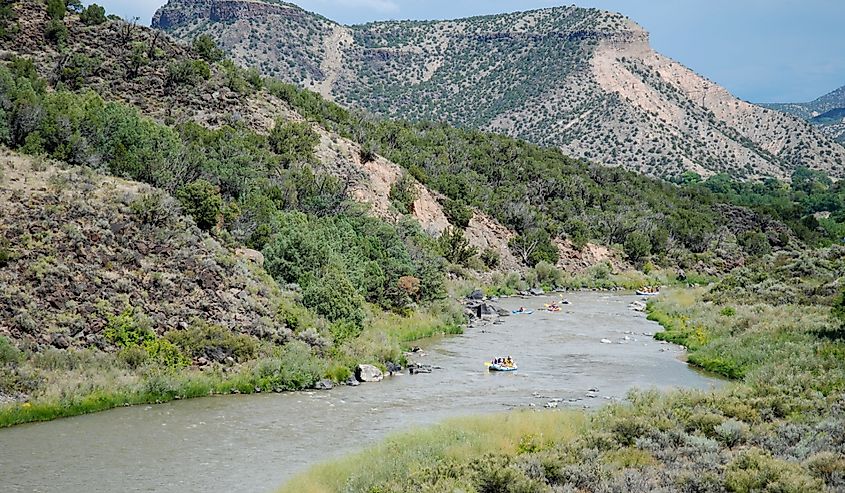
761	50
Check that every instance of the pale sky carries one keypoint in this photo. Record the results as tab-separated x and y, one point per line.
761	50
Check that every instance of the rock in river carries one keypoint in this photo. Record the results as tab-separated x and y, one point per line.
368	373
487	312
536	292
503	312
324	385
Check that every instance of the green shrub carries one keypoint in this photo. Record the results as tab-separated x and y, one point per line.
76	70
6	255
731	432
9	353
202	201
56	33
578	233
334	296
627	430
133	357
826	465
152	208
129	328
491	258
455	247
294	367
207	49
368	152
528	444
56	9
837	311
23	67
187	72
547	274
755	243
403	194
213	342
339	373
755	470
458	213
165	354
260	237
343	330
293	141
93	15
295	316
637	246
534	246
297	250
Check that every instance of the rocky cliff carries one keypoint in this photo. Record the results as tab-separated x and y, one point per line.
83	247
582	79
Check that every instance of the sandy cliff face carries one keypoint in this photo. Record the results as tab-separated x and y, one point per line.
582	79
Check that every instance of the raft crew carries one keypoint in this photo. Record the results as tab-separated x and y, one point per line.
506	362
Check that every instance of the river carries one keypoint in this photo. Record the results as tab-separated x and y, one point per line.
256	443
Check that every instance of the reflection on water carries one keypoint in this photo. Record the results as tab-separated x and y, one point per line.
255	443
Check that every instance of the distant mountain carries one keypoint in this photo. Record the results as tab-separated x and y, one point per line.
835	115
832	100
826	112
584	80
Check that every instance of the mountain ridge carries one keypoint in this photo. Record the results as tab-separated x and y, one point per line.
820	112
584	80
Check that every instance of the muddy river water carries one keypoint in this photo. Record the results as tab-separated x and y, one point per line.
256	443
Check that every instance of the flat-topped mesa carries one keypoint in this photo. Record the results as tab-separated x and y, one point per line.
182	13
584	80
179	13
232	10
572	22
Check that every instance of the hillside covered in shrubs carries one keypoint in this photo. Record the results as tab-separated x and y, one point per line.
112	295
176	226
582	79
256	138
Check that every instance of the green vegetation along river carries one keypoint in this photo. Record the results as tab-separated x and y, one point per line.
255	443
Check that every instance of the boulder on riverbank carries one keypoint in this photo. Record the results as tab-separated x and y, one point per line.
536	292
325	384
368	373
482	311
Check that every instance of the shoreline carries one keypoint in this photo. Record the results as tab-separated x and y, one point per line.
195	384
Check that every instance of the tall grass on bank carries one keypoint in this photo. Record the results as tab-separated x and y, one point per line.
733	340
69	383
399	459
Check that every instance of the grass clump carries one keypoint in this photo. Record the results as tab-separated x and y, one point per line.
442	448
